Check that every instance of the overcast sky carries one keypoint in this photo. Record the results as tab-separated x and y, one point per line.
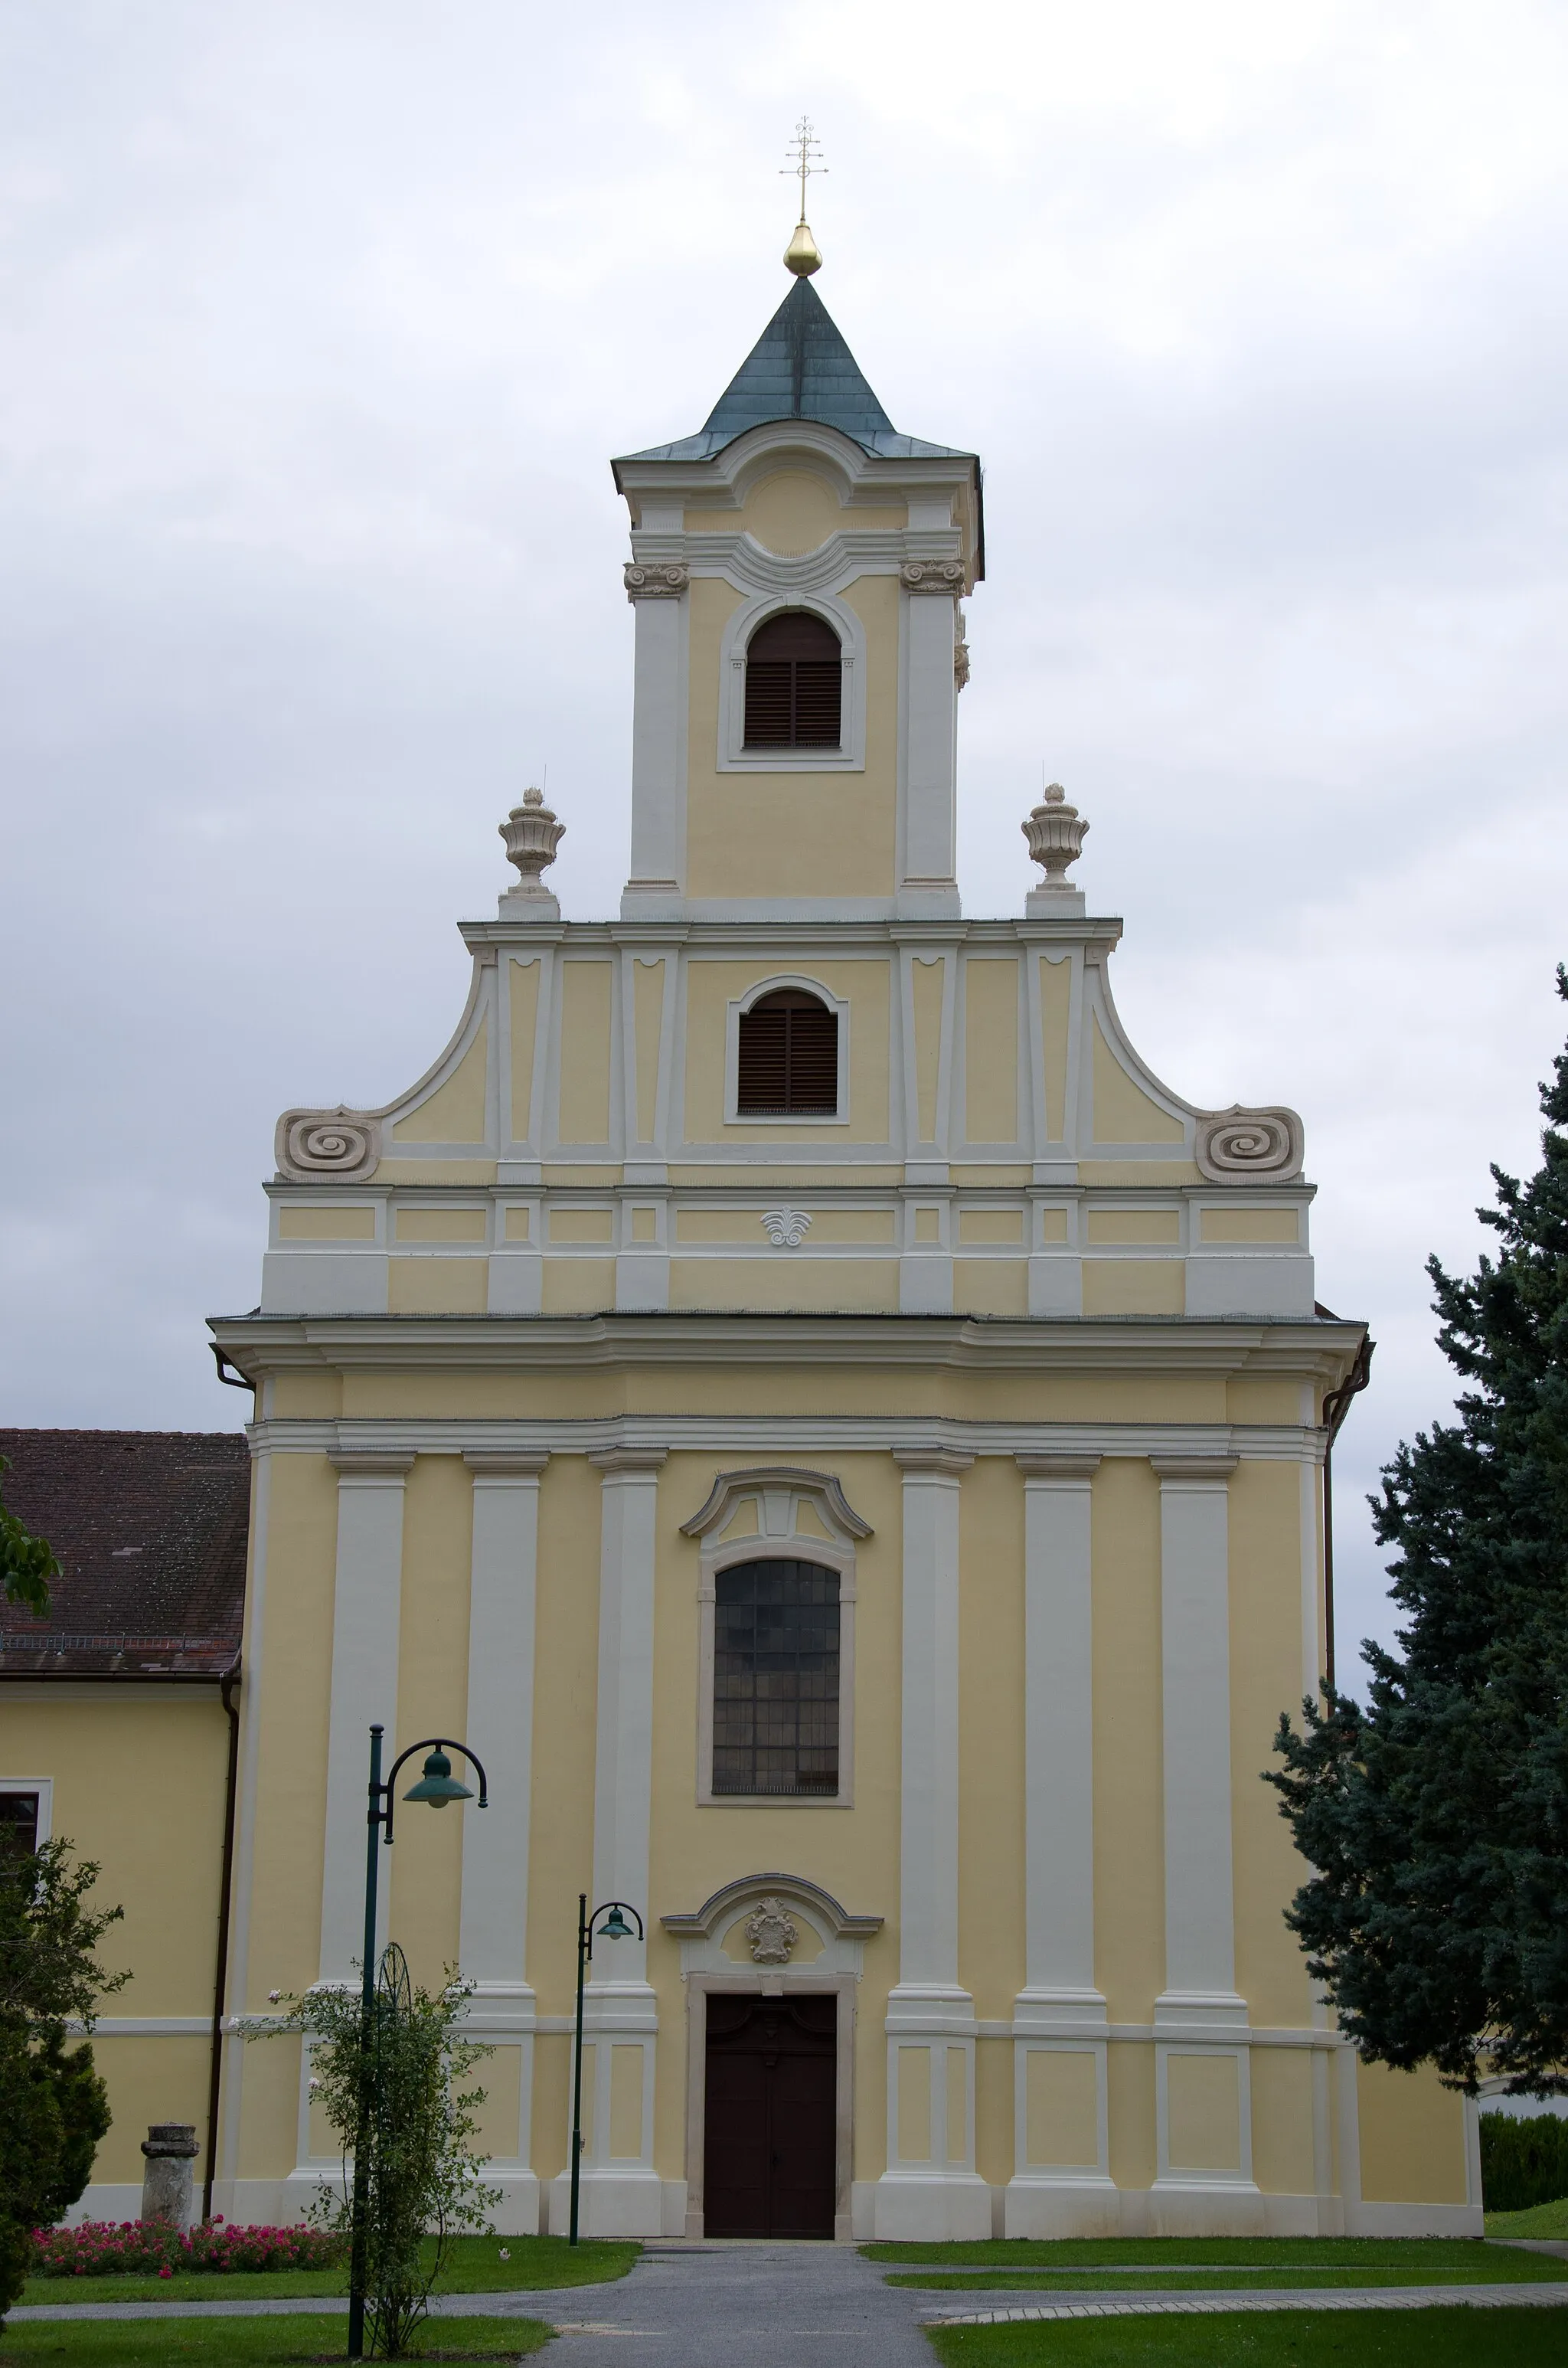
320	323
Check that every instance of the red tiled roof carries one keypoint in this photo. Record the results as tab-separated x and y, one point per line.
149	1527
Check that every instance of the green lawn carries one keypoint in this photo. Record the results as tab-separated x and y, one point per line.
1540	2220
1433	2254
1518	2269
473	2266
1285	2339
153	2343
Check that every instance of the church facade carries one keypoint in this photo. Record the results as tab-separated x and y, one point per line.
842	1443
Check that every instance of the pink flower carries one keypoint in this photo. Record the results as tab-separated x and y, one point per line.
165	2273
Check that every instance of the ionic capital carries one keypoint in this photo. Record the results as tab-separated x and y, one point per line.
655	580
941	575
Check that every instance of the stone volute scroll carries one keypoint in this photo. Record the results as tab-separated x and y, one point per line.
939	575
1055	831
315	1146
532	833
771	1934
1249	1147
646	579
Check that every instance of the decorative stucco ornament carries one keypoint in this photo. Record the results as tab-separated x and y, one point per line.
1248	1146
961	649
1055	831
772	1933
786	1227
532	835
312	1144
647	580
944	575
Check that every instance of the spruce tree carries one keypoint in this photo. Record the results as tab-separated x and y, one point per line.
1437	1818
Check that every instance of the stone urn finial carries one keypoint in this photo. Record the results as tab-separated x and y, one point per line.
1055	831
532	834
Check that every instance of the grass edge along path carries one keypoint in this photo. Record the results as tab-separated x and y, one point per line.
1524	2270
215	2342
1435	2254
537	2264
1458	2337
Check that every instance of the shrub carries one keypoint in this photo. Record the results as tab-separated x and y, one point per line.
108	2249
1523	2162
389	2087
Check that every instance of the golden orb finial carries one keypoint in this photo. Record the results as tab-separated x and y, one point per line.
802	255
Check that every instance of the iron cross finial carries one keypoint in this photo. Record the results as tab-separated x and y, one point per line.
807	143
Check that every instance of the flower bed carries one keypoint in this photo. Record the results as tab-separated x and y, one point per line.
119	2248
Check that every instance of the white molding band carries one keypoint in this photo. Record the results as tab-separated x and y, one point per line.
732	755
366	1603
805	1434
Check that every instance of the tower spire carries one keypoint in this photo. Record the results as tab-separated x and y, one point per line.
802	254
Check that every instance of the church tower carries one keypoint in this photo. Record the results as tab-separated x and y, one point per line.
844	1442
798	568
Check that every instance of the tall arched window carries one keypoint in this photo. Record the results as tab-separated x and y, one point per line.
775	1678
787	1057
794	684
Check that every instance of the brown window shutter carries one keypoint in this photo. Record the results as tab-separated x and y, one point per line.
788	1064
794	684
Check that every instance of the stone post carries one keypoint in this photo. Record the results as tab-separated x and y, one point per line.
170	2149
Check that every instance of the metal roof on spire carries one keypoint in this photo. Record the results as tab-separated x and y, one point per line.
800	369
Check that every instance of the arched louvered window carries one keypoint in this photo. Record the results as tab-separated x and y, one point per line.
788	1063
775	1678
794	684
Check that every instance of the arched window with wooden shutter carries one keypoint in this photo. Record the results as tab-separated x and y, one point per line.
788	1064
794	683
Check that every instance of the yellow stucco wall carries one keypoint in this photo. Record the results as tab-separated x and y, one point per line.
772	834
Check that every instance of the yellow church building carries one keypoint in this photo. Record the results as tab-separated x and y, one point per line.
843	1442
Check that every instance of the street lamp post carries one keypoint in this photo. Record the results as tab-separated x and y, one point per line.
437	1787
614	1928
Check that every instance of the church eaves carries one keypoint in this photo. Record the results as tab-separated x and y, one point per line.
800	369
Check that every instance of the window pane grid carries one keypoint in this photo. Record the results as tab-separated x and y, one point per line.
776	1679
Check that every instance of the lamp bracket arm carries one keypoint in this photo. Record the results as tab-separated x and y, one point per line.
434	1743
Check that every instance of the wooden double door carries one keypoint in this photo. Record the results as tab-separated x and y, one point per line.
768	2160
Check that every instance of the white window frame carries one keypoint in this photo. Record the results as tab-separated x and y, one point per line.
776	1493
734	755
836	1004
44	1787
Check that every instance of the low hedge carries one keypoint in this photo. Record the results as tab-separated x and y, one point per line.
119	2248
1523	2162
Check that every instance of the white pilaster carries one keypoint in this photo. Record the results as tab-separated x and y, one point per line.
366	1603
930	2189
1198	2018
1195	1631
1059	2009
621	2195
929	837
493	1932
658	755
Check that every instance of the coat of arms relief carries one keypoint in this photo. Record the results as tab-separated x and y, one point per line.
772	1933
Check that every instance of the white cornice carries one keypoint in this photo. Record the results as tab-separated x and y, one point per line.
646	1436
268	1344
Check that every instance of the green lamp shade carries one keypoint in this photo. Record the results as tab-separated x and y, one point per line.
616	1927
438	1785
